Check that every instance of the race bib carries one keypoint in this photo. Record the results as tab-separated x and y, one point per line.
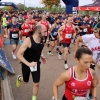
81	98
26	30
33	69
14	35
85	30
68	36
55	33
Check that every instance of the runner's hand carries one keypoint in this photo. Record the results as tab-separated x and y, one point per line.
44	60
32	64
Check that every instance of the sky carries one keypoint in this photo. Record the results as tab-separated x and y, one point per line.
37	3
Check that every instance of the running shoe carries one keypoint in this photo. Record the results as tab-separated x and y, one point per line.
13	55
18	81
59	56
49	53
66	66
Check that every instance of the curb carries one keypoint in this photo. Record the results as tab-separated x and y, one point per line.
6	87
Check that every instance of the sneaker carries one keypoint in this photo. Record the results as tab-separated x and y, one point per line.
66	66
13	55
49	53
59	56
18	82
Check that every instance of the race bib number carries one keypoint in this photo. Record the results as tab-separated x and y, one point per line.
68	36
26	30
81	98
33	69
14	35
85	30
55	33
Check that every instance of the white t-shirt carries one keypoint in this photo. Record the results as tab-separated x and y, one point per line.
93	44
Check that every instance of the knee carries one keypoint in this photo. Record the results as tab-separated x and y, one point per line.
65	52
36	84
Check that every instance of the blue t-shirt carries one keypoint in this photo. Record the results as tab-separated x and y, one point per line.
14	30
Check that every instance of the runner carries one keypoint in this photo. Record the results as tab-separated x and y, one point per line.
79	79
25	29
20	19
32	48
32	23
65	35
4	23
13	34
46	24
92	41
54	35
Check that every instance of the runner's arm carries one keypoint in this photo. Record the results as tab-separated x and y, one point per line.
61	80
52	27
79	39
22	49
94	84
60	31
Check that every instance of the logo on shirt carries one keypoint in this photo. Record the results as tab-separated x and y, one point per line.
73	84
89	83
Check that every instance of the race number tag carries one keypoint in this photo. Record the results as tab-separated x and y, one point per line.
26	30
85	30
55	33
14	35
80	98
33	69
68	36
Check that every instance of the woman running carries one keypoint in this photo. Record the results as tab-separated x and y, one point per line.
25	30
79	79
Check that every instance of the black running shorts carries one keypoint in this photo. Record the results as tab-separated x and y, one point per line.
26	73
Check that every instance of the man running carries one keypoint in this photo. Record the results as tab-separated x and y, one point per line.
29	54
65	35
54	36
13	34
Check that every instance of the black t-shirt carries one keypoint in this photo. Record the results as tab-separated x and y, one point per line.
14	30
34	53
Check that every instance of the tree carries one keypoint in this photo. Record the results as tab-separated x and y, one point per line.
21	6
51	3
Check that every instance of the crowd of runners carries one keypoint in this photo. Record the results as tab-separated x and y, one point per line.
34	30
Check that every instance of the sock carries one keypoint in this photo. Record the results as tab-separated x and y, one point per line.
33	97
49	51
60	53
66	62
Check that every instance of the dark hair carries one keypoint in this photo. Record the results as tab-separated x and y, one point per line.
57	18
68	16
81	51
14	16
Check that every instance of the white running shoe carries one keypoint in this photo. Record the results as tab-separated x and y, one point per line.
59	56
66	66
49	53
13	55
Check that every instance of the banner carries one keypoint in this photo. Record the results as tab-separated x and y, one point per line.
4	62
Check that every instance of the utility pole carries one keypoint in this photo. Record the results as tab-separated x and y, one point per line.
24	5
